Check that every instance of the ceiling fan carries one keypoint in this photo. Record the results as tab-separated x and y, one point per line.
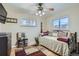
41	9
42	6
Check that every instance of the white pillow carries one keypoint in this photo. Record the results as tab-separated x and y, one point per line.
50	34
61	34
68	34
55	34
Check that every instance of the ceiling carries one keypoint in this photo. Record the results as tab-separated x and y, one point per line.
32	7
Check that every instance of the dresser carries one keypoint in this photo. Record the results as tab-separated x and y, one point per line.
5	44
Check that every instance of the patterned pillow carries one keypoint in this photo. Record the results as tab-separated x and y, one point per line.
55	34
44	33
61	34
63	39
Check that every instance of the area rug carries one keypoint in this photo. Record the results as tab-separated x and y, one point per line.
23	53
31	50
38	53
20	53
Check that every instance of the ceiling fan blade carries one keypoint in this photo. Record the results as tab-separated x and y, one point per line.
39	4
44	7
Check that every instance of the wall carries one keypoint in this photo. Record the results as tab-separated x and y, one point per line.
31	32
72	13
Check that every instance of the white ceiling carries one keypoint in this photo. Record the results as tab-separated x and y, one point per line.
32	7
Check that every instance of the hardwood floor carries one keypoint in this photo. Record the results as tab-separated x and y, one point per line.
32	49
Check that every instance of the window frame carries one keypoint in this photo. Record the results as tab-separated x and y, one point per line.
28	22
67	28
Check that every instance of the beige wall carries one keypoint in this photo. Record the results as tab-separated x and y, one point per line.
31	32
72	13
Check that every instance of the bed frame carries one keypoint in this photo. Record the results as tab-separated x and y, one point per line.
72	43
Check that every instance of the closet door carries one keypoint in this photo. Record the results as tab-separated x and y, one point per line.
3	46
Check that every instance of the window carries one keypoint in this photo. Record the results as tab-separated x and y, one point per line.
61	24
56	23
25	22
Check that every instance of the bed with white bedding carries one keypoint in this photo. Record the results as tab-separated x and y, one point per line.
53	44
59	47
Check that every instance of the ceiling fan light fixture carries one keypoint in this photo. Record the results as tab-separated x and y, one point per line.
39	11
43	13
37	14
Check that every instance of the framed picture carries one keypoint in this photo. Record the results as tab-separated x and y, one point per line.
11	20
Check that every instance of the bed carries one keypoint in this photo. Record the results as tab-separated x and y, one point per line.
59	47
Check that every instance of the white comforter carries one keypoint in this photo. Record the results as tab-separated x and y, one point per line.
53	44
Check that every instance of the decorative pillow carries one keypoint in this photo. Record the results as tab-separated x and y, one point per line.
54	34
63	39
44	33
61	34
68	34
50	34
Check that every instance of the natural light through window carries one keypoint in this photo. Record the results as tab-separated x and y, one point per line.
25	22
62	23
